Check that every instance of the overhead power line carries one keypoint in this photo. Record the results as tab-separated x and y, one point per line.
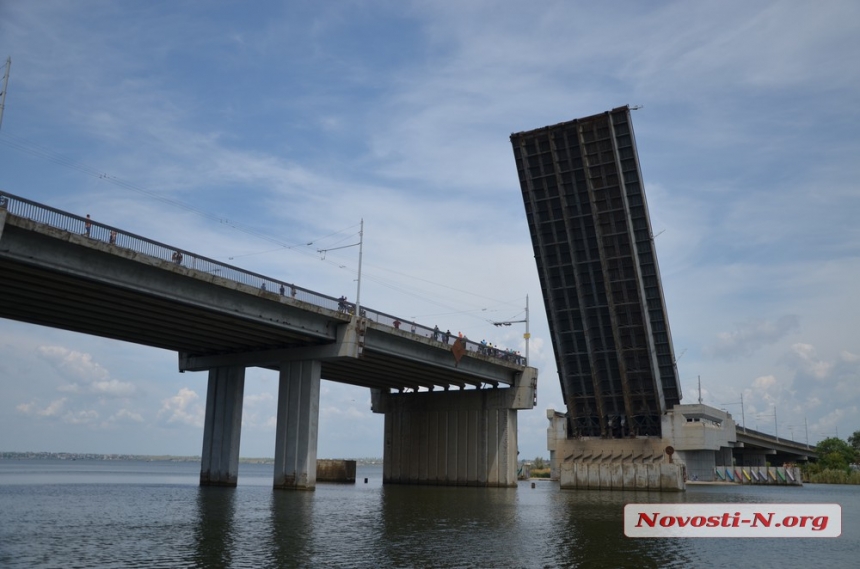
33	149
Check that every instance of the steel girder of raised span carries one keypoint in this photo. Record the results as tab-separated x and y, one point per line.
73	281
589	224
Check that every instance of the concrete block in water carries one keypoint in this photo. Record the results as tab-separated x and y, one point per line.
330	470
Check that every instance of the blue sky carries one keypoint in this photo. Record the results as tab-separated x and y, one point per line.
244	131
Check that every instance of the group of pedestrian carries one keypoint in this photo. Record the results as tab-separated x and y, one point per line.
88	228
501	353
446	336
483	348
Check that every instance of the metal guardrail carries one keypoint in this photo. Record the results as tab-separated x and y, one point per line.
76	224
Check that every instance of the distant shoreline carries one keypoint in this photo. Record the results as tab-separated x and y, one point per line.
139	457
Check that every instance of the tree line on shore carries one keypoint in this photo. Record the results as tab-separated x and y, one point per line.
837	462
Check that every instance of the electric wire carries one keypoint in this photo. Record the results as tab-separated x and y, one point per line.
28	147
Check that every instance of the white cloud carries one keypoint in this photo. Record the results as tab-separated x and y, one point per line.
113	388
764	385
258	399
124	415
81	366
73	363
183	408
751	336
806	359
259	413
81	417
848	357
53	409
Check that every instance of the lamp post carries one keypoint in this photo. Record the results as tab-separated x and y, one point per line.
526	336
360	246
358	286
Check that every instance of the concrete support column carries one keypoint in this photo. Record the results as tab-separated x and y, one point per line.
453	438
222	427
298	420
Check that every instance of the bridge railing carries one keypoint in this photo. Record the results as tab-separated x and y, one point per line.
65	221
58	219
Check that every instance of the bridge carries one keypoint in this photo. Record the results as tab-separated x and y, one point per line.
440	395
585	204
778	450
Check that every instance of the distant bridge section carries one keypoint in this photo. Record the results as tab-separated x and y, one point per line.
779	450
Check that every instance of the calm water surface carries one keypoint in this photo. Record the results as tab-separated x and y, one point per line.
153	514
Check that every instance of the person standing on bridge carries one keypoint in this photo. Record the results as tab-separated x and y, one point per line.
282	290
397	323
447	336
177	257
88	225
113	236
436	333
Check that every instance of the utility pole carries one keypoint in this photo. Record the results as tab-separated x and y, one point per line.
526	336
775	427
5	88
700	390
358	289
360	244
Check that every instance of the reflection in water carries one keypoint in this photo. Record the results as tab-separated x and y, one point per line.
291	529
420	524
587	532
123	523
213	530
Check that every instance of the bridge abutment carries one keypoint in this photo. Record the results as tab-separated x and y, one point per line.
453	438
298	425
222	426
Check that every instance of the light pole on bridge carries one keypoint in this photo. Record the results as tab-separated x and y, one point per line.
526	336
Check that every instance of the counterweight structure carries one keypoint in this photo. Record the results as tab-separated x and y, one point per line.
594	248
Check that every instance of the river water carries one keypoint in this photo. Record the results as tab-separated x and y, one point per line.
56	513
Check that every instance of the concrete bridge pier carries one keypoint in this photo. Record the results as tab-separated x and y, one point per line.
222	426
454	438
298	425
